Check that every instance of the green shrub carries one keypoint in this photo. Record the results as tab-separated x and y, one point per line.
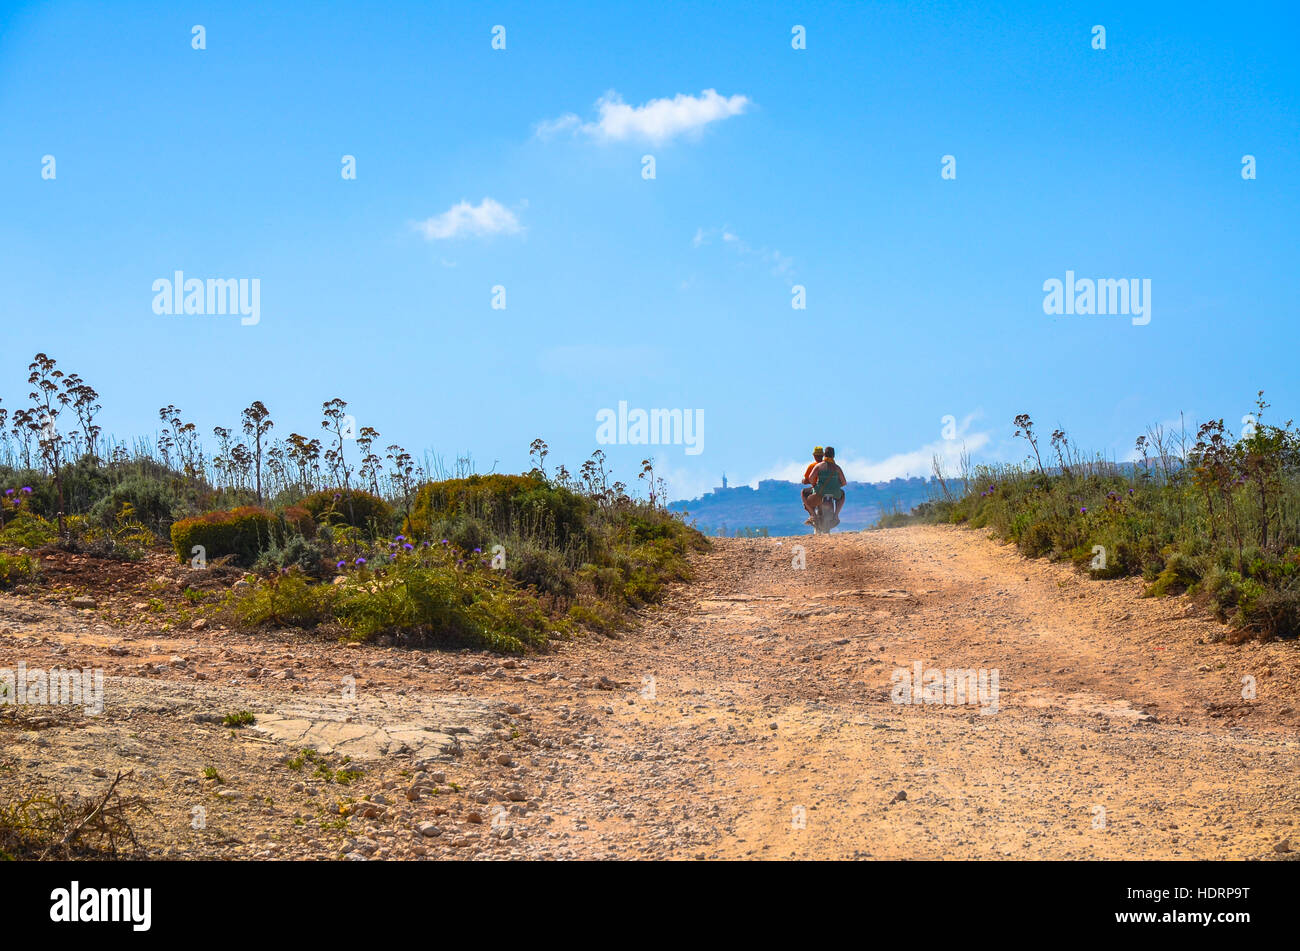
299	520
151	501
541	569
27	530
290	600
353	507
1181	572
1275	611
307	556
243	532
519	506
431	600
596	615
1036	540
465	533
18	569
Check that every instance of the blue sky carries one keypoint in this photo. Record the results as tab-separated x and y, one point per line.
817	167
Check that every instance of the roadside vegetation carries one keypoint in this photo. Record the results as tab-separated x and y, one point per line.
1203	511
331	533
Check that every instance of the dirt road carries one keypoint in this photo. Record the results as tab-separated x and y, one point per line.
754	716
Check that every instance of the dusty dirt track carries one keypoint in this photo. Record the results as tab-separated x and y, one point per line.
750	717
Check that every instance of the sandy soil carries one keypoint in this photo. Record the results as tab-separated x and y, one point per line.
751	716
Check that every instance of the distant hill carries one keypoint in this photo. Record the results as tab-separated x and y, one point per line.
775	506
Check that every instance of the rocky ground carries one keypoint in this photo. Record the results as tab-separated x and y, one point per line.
751	716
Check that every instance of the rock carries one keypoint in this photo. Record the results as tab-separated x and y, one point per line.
199	624
474	818
515	794
503	759
429	830
241	585
900	796
178	661
1282	846
118	651
227	794
364	845
84	602
99	771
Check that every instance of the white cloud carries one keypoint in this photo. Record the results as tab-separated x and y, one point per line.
917	462
488	217
780	264
685	483
692	483
658	121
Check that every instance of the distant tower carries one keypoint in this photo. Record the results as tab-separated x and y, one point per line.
724	480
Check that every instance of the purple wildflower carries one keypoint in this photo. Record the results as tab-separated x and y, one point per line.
359	561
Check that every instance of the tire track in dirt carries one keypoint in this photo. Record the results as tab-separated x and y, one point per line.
773	687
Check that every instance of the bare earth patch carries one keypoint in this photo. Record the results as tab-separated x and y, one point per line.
751	717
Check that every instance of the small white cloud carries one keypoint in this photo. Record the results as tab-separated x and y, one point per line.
780	264
489	217
658	121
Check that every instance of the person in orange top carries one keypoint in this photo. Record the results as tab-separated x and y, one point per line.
818	454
